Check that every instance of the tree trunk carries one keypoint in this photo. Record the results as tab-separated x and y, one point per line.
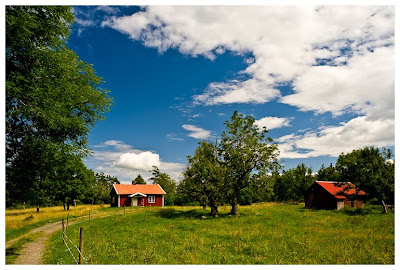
67	206
64	205
37	208
204	205
214	208
234	210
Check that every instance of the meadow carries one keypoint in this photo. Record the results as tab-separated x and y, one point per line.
20	221
266	233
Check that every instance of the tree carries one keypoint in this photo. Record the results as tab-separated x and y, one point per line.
263	187
328	174
52	97
102	186
204	175
369	170
292	184
166	182
245	150
139	180
75	182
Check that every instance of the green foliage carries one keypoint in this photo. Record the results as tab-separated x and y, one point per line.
204	176
77	181
52	101
139	180
371	170
328	174
292	184
245	149
166	182
101	189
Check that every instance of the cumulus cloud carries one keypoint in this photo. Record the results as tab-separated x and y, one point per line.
142	161
339	59
196	132
119	159
285	41
365	86
272	122
332	141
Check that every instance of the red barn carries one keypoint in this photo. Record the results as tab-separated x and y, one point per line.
137	195
333	195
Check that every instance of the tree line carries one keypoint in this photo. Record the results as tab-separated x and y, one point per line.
206	183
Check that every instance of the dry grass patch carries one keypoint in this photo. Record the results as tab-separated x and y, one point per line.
20	218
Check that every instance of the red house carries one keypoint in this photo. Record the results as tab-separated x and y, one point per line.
333	195
137	195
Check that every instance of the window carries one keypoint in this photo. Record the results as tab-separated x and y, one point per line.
152	199
112	199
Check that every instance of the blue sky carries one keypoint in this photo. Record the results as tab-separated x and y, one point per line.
321	79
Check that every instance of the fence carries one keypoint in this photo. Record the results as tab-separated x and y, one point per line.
65	237
71	245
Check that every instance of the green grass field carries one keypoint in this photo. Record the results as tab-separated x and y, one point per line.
262	234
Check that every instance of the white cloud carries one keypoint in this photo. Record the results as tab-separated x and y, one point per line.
250	91
339	59
365	85
272	122
332	141
142	161
119	159
117	144
285	41
197	133
173	137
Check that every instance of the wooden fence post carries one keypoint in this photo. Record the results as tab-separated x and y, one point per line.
89	215
63	231
81	245
67	222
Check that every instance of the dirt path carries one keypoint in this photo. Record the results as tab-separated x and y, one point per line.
32	252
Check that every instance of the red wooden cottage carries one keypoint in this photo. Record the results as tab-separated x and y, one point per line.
137	195
333	195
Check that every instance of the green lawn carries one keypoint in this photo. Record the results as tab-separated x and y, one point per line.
262	234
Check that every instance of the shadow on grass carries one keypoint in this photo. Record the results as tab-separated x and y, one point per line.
13	251
189	214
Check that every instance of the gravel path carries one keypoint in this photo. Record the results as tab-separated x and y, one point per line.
32	252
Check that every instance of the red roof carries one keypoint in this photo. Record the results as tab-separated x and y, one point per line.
337	189
144	189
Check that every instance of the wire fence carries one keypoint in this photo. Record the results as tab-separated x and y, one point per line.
72	245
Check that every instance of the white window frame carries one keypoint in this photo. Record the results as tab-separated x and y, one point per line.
152	199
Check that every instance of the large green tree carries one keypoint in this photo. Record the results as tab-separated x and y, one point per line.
245	150
205	174
52	97
371	170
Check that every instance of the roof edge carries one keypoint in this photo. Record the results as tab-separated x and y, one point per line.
162	189
116	191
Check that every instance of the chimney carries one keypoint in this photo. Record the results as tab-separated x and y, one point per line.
133	182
